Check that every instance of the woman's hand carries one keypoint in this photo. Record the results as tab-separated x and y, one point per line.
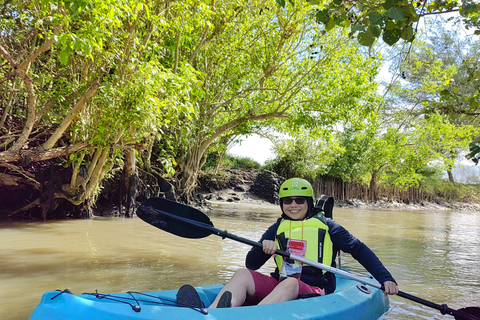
390	287
269	247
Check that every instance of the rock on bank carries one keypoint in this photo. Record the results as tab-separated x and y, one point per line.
242	185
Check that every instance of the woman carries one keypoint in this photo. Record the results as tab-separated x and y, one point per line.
300	231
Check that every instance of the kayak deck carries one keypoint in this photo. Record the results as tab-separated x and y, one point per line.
351	300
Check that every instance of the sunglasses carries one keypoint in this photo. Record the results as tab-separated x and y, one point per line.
297	200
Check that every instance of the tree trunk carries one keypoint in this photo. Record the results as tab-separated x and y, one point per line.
129	182
373	187
450	174
189	173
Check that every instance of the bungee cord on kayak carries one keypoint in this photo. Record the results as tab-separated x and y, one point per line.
161	301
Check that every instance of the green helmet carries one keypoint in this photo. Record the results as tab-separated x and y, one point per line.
296	187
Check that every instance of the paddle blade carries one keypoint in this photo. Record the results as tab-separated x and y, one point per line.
175	218
468	313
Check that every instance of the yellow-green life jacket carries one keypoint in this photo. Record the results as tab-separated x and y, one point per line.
314	230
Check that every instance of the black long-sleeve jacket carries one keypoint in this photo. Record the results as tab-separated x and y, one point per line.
342	240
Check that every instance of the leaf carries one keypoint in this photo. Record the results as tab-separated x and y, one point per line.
366	39
340	19
356	28
375	18
409	13
408	34
388	4
474	103
281	3
468	9
330	24
375	31
390	25
322	16
395	14
445	93
391	36
64	56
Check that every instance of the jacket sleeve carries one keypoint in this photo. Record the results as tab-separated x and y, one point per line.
256	258
345	241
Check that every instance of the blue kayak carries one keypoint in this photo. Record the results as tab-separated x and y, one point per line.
351	300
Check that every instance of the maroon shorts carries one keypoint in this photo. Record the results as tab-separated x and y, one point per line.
265	284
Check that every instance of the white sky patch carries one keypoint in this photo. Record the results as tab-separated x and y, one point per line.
254	147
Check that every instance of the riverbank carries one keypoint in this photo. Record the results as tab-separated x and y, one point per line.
245	198
237	184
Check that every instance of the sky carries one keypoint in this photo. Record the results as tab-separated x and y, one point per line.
254	147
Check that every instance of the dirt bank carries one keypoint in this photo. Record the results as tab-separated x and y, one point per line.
231	196
236	189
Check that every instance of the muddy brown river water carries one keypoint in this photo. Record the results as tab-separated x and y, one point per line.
432	254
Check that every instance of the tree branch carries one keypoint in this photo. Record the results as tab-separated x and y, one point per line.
68	119
235	123
39	154
46	46
200	45
177	48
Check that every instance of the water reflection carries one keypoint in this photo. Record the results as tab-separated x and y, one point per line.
433	255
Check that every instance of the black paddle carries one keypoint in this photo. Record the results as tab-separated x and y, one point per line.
188	222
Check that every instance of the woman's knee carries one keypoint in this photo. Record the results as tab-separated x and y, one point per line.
289	284
242	275
244	278
286	290
242	272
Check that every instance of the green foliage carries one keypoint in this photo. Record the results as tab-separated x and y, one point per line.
400	157
349	164
211	162
261	67
229	162
187	77
304	158
94	76
393	20
445	190
475	150
440	76
245	163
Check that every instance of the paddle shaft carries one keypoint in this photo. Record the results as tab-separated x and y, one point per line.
444	309
224	234
458	314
